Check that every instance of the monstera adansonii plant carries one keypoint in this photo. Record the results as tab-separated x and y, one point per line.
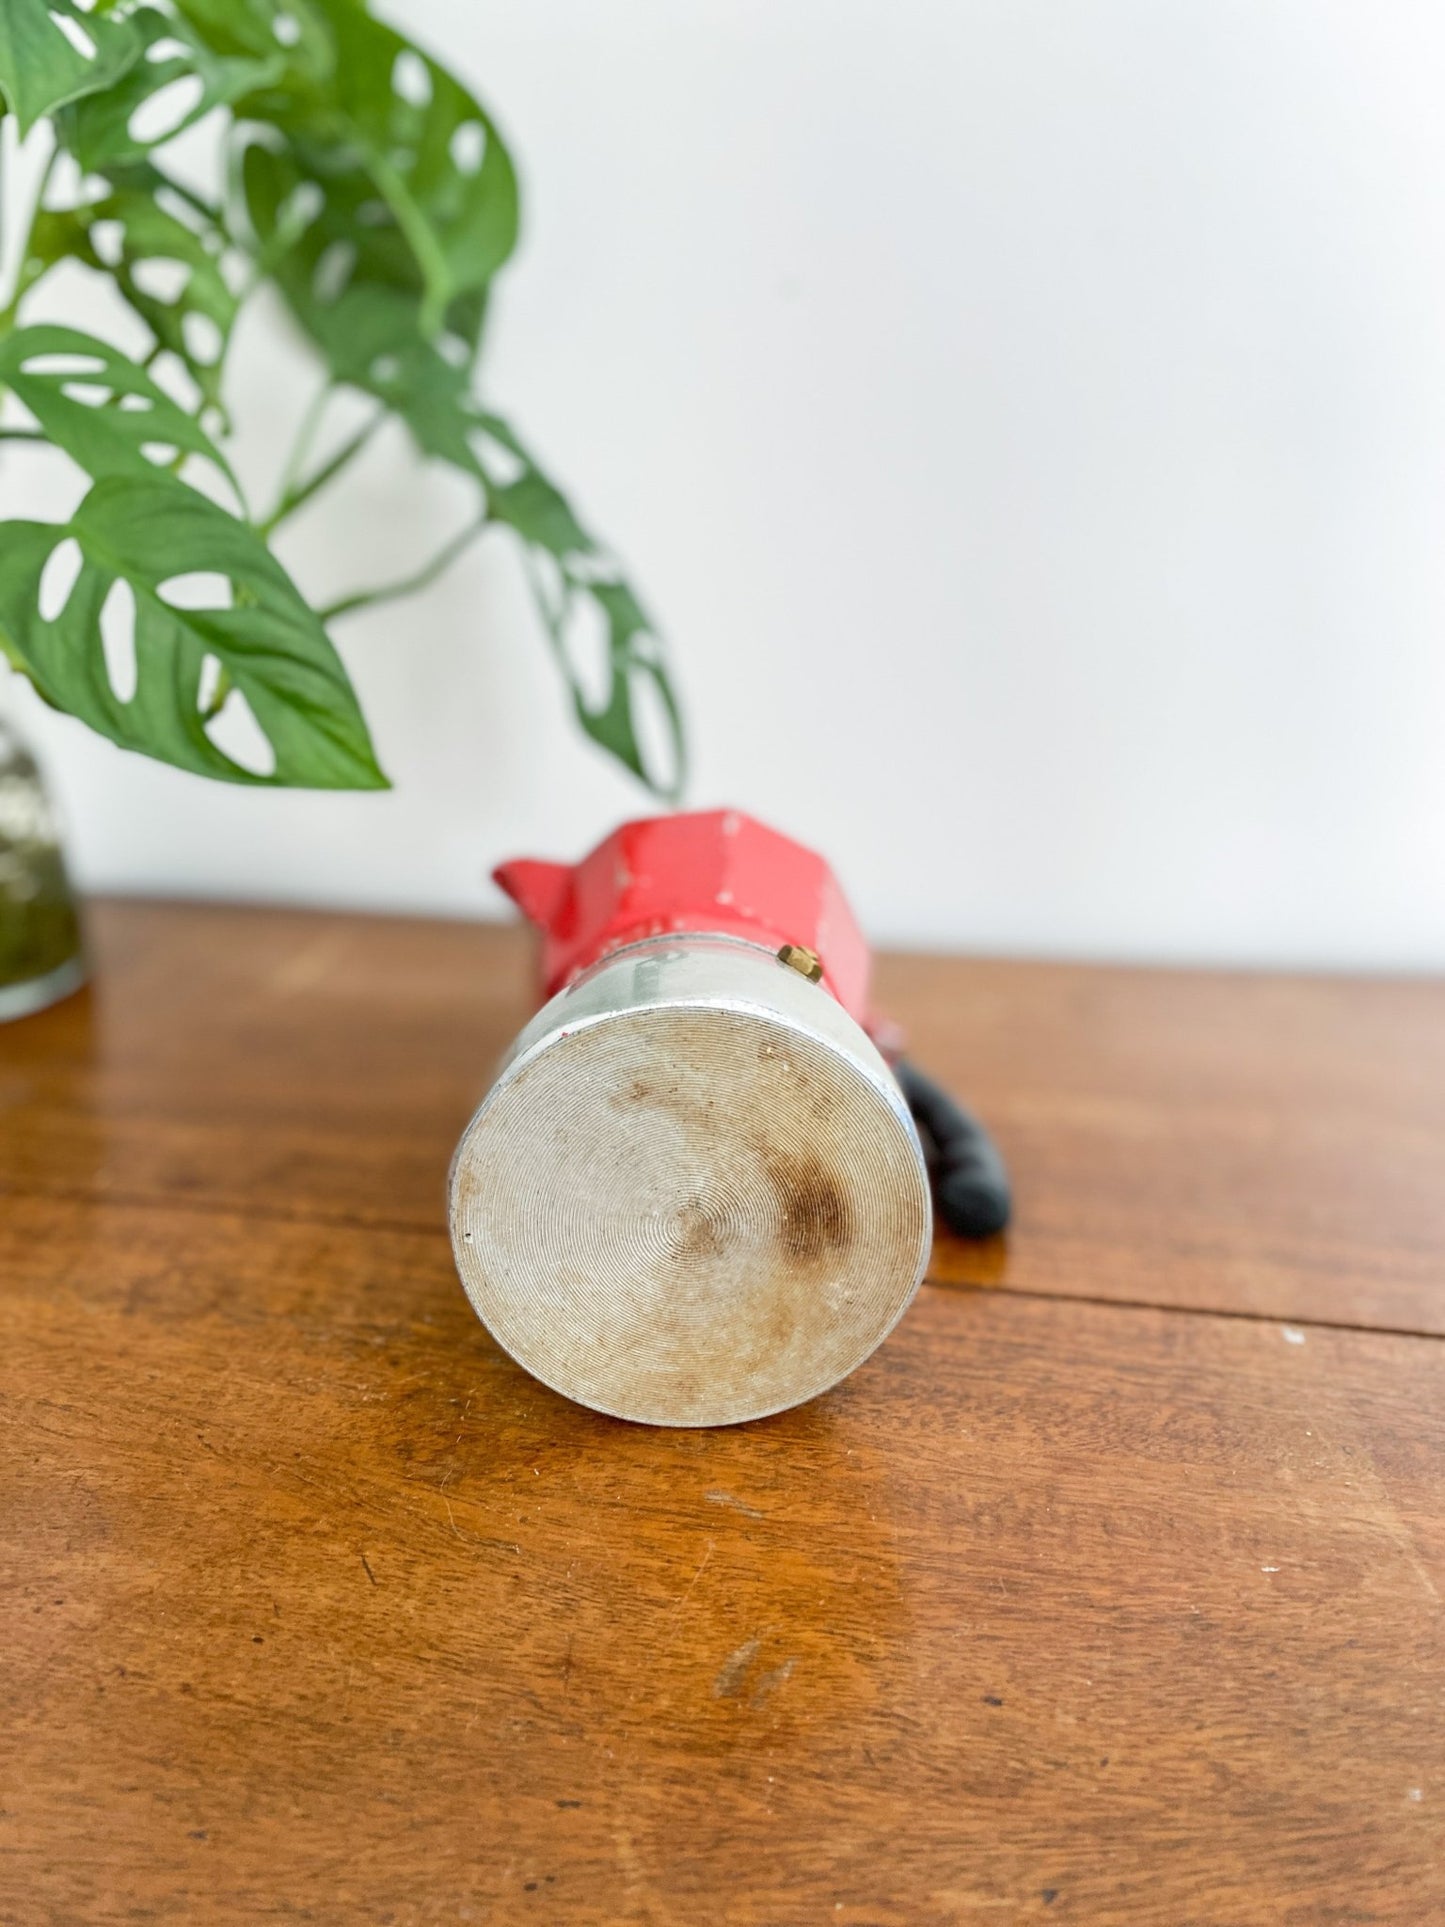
367	185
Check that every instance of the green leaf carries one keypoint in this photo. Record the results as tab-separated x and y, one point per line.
430	394
414	188
97	405
382	201
146	533
569	571
258	28
540	514
127	235
104	130
341	262
634	661
367	327
43	64
435	156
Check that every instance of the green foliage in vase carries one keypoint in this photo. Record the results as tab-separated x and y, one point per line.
365	183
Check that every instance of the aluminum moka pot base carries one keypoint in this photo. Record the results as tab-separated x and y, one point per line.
695	1194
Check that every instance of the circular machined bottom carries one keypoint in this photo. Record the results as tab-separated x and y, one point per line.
689	1216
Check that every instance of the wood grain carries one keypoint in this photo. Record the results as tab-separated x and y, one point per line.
318	1608
314	1607
1259	1143
1264	1144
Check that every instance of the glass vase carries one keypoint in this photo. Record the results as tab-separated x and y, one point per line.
41	954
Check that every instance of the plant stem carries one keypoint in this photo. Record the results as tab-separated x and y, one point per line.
296	493
429	571
420	236
300	448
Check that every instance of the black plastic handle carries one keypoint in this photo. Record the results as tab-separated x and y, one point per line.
970	1184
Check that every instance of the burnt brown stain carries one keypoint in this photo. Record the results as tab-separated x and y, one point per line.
815	1212
817	1218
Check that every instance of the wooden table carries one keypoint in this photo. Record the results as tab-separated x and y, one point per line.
1108	1591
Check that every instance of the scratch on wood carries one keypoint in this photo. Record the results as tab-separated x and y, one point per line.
733	1671
369	1573
686	1594
307	965
770	1682
472	1538
456	1529
727	1498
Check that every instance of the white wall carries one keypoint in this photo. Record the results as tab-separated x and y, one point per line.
1027	418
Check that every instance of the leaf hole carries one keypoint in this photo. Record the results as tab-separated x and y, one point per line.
91	393
134	404
168	48
68	184
58	578
107	238
203	338
117	638
167	110
468	147
161	278
594	566
75	34
63	364
333	271
385	368
548	582
196	589
206	478
161	453
287	29
587	652
175	380
502	465
410	80
300	207
208	683
658	745
454	349
237	734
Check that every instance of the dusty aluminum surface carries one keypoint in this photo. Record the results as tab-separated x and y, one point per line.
694	1196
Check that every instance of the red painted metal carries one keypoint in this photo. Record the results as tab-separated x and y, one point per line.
706	870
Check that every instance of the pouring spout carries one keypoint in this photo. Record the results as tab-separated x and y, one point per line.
540	890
